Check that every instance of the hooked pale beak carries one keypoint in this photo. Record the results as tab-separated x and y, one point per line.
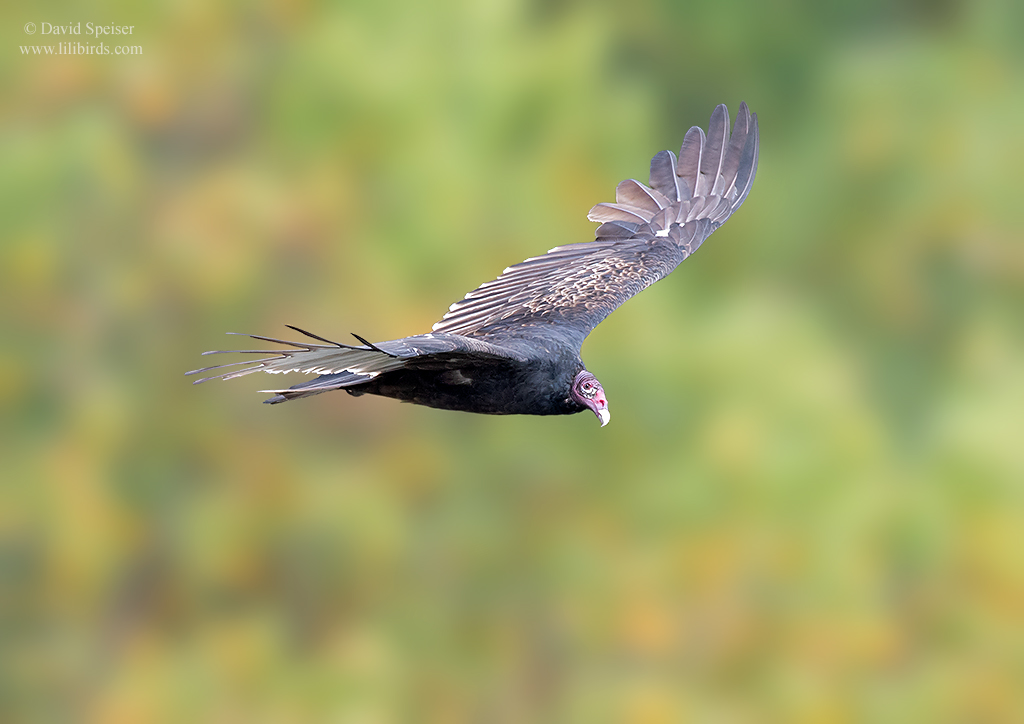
600	407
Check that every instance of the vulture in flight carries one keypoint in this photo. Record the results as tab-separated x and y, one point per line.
512	345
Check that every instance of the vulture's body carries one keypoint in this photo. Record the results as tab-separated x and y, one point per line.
512	346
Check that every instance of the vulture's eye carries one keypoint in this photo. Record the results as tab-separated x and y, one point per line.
588	389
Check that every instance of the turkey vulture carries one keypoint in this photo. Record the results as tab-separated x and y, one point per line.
512	345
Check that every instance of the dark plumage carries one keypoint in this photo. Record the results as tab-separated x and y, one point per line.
512	345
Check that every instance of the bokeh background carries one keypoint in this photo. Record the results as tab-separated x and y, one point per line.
809	505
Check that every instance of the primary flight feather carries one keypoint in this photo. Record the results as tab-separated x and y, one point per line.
512	345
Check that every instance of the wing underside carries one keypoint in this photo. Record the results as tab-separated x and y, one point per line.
645	234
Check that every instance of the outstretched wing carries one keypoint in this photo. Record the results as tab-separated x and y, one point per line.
342	365
646	233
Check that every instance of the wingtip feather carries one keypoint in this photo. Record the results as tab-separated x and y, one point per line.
689	163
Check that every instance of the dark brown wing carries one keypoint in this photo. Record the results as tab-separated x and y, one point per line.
646	233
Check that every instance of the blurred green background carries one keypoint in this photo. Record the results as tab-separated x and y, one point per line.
808	506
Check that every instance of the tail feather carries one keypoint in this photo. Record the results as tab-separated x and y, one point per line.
343	365
324	359
324	383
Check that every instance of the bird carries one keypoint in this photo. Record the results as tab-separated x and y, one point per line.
512	345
